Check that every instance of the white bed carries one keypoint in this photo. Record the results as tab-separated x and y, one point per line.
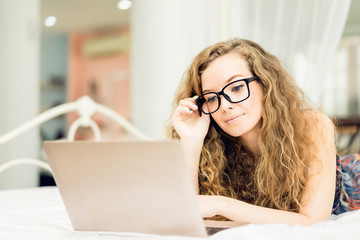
39	213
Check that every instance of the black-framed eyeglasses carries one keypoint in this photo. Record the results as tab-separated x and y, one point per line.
234	92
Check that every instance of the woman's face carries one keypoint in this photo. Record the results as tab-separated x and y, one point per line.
236	119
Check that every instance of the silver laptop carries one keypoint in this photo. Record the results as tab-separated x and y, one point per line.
141	187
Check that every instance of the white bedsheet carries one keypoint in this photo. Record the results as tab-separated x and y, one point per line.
38	213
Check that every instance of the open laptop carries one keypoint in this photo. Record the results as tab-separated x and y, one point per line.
139	187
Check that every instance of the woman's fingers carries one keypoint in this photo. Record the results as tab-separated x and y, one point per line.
185	109
187	121
189	103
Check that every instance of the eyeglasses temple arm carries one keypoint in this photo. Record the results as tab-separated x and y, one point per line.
198	104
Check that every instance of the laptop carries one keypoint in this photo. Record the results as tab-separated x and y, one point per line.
136	186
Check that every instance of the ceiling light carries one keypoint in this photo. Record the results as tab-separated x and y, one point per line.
124	4
50	21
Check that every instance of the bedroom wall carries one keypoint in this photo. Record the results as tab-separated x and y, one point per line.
19	86
156	69
163	45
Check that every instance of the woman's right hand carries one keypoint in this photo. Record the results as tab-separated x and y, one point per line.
192	130
188	123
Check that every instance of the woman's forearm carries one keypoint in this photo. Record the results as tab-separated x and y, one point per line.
239	211
192	151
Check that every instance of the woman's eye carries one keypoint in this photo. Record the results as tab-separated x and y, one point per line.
237	88
211	99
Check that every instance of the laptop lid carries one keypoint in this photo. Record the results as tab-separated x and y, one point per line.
141	187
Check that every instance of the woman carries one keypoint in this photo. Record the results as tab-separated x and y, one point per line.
256	150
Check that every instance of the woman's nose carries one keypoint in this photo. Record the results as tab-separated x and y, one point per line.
225	104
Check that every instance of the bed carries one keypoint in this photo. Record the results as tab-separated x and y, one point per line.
39	213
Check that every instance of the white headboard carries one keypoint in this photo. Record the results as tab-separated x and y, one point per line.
85	108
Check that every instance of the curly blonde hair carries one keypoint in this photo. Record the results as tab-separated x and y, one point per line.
278	175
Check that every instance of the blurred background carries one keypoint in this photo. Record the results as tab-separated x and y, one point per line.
129	55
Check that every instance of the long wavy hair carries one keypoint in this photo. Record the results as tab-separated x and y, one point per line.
277	176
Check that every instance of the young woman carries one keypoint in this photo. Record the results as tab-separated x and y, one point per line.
256	150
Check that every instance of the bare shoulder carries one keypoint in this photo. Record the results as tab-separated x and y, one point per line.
312	115
319	122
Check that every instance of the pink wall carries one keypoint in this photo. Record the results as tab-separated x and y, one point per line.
105	79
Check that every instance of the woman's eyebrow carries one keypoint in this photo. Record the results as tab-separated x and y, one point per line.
226	82
234	76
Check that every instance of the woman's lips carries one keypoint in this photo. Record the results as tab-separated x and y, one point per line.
233	118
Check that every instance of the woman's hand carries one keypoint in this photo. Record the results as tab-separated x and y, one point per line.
192	130
187	121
